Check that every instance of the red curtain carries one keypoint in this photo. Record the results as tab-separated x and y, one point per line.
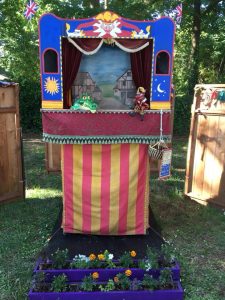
88	45
141	66
71	58
132	44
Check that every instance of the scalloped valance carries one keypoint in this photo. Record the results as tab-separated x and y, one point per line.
92	46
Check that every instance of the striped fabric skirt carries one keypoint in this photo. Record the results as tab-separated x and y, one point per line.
105	189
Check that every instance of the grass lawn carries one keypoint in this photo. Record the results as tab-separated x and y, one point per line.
197	232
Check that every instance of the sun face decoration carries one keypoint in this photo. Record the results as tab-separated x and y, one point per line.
51	85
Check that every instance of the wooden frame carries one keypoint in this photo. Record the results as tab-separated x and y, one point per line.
11	162
205	170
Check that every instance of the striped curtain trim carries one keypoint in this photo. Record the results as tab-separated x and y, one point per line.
60	139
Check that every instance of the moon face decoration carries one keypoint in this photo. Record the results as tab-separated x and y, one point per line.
159	89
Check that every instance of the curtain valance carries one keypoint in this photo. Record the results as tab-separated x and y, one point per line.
92	46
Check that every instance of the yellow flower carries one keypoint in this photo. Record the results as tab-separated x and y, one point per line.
128	273
116	279
133	253
101	257
95	275
92	256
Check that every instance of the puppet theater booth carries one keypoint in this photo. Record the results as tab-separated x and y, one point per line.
105	163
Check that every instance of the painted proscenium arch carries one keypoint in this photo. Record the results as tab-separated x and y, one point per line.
106	25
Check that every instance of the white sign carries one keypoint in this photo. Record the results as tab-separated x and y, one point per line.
165	167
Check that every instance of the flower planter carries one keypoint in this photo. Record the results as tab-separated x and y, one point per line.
172	294
74	275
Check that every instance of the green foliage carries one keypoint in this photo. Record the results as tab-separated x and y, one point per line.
149	283
39	282
80	262
88	284
59	259
152	257
165	278
123	282
59	283
108	260
142	265
135	285
95	264
39	277
151	260
167	255
110	286
182	115
30	104
126	260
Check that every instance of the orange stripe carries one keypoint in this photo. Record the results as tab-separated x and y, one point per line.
114	189
96	188
105	188
133	181
52	104
63	189
86	188
124	187
160	105
147	193
68	188
142	191
77	183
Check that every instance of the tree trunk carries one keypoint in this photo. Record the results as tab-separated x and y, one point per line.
194	57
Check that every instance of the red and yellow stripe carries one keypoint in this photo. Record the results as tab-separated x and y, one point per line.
105	189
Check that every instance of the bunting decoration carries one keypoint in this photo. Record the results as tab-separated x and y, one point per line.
176	14
31	9
179	11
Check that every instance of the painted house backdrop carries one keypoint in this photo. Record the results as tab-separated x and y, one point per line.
107	77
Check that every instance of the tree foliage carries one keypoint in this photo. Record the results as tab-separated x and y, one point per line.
199	47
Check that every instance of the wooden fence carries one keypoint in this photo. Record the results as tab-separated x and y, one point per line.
205	172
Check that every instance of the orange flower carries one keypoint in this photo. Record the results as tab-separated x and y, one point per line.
133	253
128	273
116	279
101	257
95	275
92	256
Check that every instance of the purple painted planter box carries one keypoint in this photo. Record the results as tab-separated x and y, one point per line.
176	294
105	274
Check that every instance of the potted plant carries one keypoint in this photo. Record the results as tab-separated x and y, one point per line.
106	265
122	286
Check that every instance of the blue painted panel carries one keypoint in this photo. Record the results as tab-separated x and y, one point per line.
163	32
161	88
51	85
165	170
